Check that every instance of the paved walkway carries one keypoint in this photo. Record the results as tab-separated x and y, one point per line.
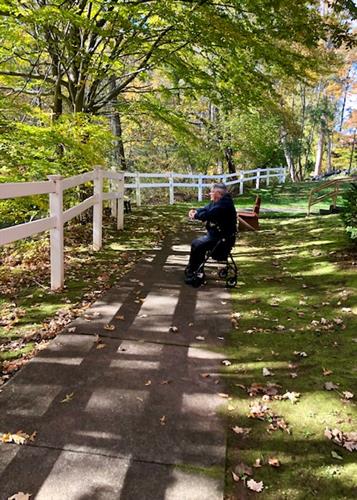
135	415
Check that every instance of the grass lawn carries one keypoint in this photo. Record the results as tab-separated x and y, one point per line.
296	319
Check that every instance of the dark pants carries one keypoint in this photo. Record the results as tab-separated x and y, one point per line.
199	247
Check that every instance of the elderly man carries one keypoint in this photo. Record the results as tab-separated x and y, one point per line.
221	222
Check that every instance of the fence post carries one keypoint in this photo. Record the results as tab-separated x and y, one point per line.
56	234
241	183
98	209
200	185
120	204
138	193
113	203
257	182
283	176
171	189
267	177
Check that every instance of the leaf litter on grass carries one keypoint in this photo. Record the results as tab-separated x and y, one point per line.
323	343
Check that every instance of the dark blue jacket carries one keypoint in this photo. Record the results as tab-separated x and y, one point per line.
220	217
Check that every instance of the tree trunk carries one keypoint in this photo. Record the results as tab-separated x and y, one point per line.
352	151
288	157
328	152
115	121
228	153
319	153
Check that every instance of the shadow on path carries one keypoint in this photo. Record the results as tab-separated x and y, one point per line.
135	415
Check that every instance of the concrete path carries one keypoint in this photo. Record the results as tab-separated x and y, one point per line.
133	416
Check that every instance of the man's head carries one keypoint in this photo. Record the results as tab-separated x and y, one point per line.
217	191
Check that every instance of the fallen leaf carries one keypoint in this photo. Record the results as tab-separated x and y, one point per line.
222	395
330	386
241	431
346	439
258	463
267	372
243	470
348	394
225	362
173	329
165	382
68	398
148	382
235	477
293	374
72	329
302	354
101	345
326	373
163	420
20	437
109	327
336	455
254	486
274	462
292	396
20	496
120	317
199	337
190	324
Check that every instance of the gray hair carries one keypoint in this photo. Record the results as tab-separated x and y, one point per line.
220	186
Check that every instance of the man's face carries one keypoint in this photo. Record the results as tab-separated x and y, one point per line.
215	194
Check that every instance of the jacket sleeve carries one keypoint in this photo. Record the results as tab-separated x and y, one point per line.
201	213
211	213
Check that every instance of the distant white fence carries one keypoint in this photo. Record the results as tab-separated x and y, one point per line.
138	181
55	187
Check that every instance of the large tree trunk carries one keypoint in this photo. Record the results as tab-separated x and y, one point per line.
115	121
319	153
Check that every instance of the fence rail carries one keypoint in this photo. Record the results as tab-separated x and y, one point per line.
136	181
56	185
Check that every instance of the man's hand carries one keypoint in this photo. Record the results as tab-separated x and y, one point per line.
192	213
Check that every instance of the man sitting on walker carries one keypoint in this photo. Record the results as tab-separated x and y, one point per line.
221	222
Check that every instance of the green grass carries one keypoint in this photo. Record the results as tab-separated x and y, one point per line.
294	272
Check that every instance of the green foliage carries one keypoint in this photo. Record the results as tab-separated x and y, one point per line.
33	149
349	214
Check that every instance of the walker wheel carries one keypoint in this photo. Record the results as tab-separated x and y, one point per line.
231	282
222	273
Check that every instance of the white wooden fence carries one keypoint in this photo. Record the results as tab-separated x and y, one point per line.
139	180
55	187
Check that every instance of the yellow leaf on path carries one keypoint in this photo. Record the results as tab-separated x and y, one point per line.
109	327
20	496
68	398
223	395
163	420
119	316
101	345
148	382
173	329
